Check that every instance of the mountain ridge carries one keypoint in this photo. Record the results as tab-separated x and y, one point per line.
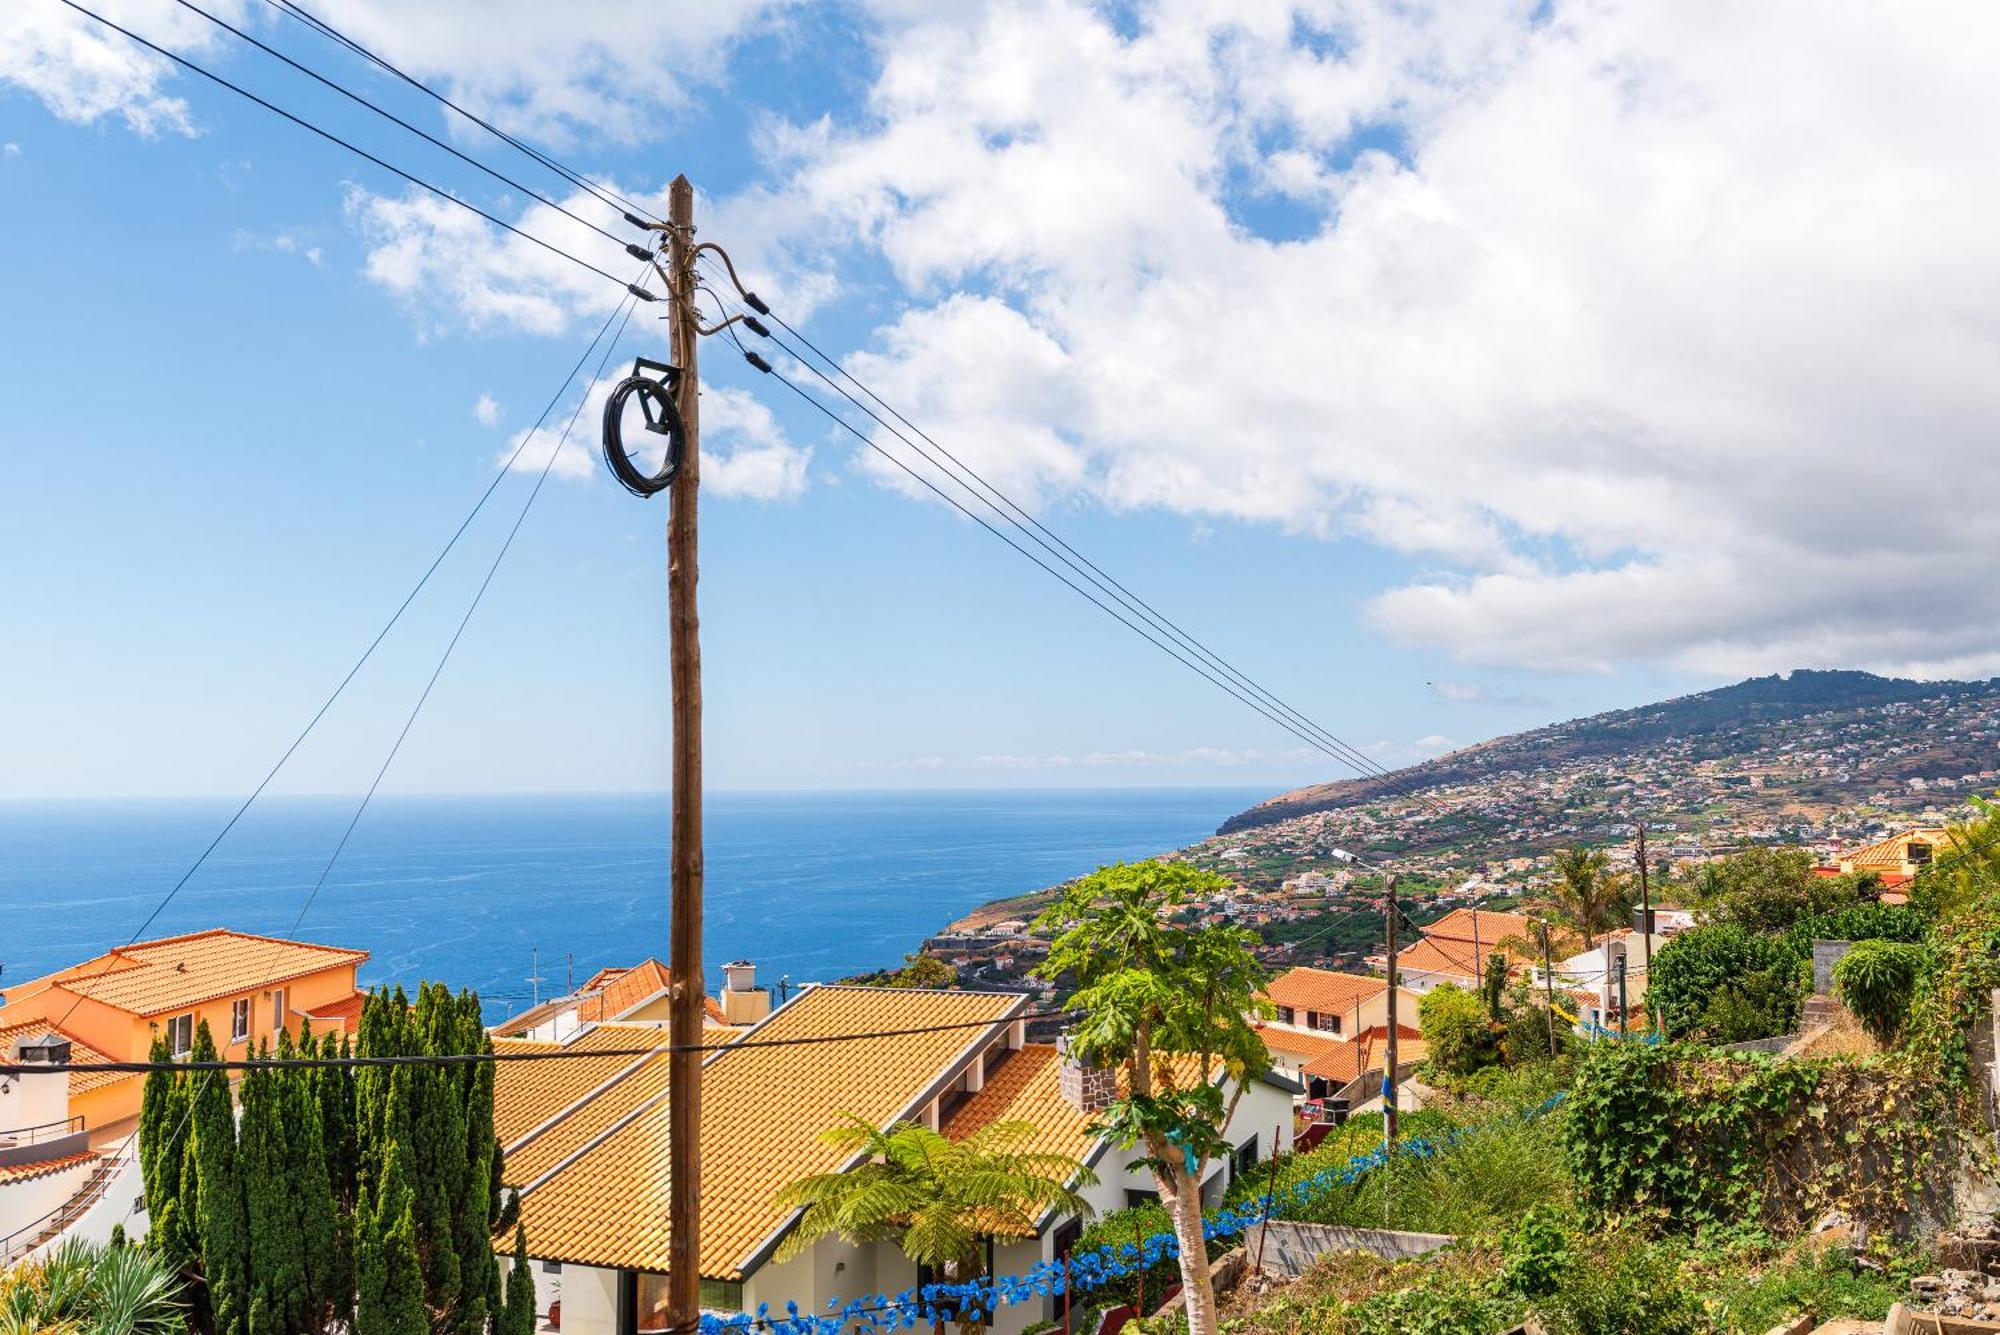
1712	714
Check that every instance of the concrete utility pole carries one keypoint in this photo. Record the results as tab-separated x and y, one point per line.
1389	1069
684	936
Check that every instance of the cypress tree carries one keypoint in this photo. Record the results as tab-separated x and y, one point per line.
391	1298
315	1212
518	1316
331	1089
164	1136
276	1254
221	1221
437	1159
479	1267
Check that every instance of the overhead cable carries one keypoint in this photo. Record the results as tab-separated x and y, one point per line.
491	570
604	194
494	1058
366	654
386	114
358	151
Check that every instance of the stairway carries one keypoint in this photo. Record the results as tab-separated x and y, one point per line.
92	1190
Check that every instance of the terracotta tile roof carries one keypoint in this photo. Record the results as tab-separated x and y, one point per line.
81	1054
1439	955
1293	1043
1492	926
1887	855
28	1172
1024	1088
763	1110
609	994
346	1012
527	1094
1306	988
584	1119
176	972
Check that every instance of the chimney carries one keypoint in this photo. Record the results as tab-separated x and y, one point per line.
36	1099
743	1002
1087	1088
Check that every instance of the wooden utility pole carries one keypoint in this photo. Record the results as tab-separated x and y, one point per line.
1548	984
1645	909
684	934
1389	1070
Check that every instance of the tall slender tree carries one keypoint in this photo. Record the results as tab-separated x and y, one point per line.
517	1316
391	1296
276	1256
222	1228
164	1137
1584	894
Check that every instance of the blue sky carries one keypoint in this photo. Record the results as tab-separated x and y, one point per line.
1432	470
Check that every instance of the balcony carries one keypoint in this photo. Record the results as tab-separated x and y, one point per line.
49	1140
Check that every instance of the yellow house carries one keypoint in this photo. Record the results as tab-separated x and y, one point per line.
112	1007
1900	857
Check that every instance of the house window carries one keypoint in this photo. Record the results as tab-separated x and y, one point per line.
277	1010
1135	1197
721	1295
1324	1022
1245	1158
180	1035
1286	1015
239	1020
552	1267
1917	852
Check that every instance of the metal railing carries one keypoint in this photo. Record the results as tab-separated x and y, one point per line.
46	1131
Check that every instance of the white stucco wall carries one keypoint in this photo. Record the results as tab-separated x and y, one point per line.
589	1301
23	1203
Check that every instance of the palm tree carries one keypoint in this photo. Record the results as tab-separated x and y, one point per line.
81	1289
934	1197
1584	895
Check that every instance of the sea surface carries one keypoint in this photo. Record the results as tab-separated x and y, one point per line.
481	892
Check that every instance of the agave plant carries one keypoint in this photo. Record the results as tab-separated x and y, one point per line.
80	1288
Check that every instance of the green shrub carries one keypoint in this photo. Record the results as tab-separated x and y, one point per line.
1630	1286
1823	1284
1862	922
1457	1030
1128	1227
1876	979
1721	975
1535	1255
1449	1304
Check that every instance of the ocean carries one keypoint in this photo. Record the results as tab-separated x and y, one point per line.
473	891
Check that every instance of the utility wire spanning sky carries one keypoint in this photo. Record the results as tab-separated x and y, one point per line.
1451	369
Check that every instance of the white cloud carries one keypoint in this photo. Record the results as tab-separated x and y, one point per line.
486	409
282	243
613	70
82	71
10	150
1649	346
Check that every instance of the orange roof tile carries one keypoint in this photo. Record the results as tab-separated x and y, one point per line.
763	1109
81	1054
1439	955
1888	854
528	1093
1024	1088
28	1172
346	1012
176	972
1324	990
1293	1043
1486	926
609	994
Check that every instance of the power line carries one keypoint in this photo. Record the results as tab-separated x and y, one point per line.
1081	592
628	305
1293	720
602	193
392	116
483	1058
366	654
1022	519
331	137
